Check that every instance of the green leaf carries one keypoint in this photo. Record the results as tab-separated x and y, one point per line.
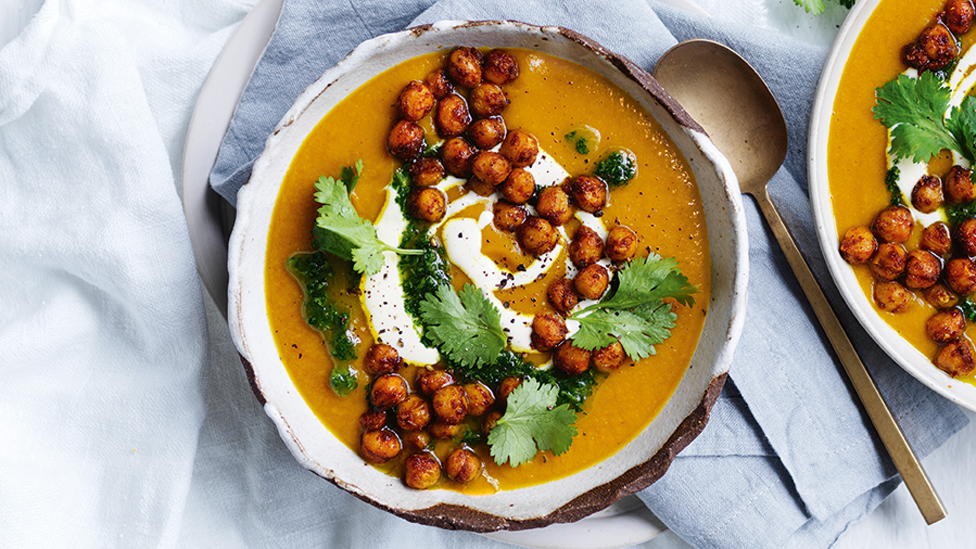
914	110
467	328
813	7
962	126
532	422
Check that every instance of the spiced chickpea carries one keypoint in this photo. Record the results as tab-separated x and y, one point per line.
450	404
413	414
430	381
405	140
858	245
553	205
415	440
488	100
960	275
934	48
608	359
958	15
464	66
570	359
894	224
487	132
940	296
456	154
536	236
959	185
548	331
562	295
463	466
891	296
936	238
519	186
507	386
427	203
922	269
621	243
508	217
888	263
944	326
491	420
372	420
438	83
956	358
421	470
499	67
966	236
490	167
440	430
381	359
451	117
927	194
520	148
479	186
415	101
589	193
388	391
586	247
379	446
480	398
426	172
592	281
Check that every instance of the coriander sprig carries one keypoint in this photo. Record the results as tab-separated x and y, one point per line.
466	328
532	422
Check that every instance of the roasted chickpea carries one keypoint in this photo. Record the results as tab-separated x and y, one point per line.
936	238
958	15
960	275
488	100
439	429
621	243
508	217
586	247
891	296
589	193
889	261
372	420
381	359
922	270
548	331
959	185
421	470
490	421
405	140
894	224
927	194
450	404
480	398
379	446
479	186
941	297
608	359
956	358
464	66
415	101
944	326
463	466
499	67
452	116
413	414
570	359
438	83
430	381
426	172
416	440
858	245
490	167
562	295
553	205
457	154
388	391
427	204
934	48
518	187
966	236
507	386
536	236
520	148
487	132
592	281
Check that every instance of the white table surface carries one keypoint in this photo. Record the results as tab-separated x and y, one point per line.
896	523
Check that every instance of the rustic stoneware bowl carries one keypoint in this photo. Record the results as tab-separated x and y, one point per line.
633	468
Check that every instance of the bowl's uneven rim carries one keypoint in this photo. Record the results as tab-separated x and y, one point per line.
897	347
451	509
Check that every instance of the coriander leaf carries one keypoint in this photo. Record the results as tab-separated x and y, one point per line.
532	422
467	328
350	177
962	125
914	110
638	330
647	279
814	7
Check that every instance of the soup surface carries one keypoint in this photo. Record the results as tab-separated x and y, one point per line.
551	98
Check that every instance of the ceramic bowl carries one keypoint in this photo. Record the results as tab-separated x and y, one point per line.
633	468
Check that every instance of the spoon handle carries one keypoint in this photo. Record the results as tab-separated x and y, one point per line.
888	430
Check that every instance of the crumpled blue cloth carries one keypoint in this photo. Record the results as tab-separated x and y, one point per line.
788	457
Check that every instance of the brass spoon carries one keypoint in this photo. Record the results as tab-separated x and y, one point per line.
725	94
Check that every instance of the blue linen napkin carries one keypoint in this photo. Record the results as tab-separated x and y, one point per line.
787	457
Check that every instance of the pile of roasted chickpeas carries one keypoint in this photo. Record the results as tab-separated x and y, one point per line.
480	148
937	45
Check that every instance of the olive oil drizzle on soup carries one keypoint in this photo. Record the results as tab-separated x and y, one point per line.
550	98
